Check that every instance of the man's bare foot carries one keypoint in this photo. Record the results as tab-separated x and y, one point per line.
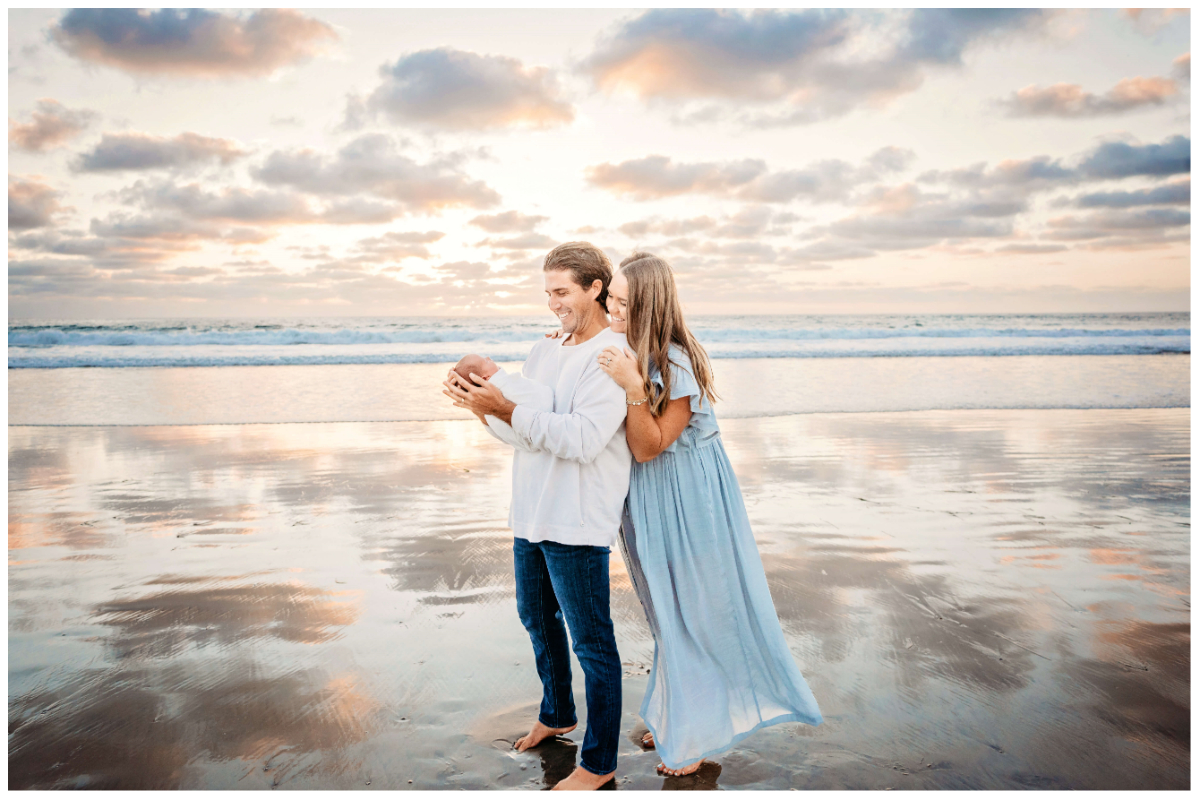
648	740
582	781
663	769
537	734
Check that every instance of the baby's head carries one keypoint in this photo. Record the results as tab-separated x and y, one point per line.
483	367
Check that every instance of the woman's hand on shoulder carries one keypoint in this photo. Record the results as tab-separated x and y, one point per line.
622	367
555	335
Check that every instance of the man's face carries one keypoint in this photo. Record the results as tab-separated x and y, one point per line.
574	306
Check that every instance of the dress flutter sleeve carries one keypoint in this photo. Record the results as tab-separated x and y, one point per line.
683	382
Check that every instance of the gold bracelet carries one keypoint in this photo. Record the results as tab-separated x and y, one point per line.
638	403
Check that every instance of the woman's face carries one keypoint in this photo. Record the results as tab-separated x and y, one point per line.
618	302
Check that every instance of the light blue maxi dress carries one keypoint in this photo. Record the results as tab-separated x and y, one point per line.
722	668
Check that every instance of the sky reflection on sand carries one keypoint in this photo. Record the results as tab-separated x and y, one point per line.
980	599
412	392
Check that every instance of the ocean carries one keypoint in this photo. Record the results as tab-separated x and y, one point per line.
224	343
201	371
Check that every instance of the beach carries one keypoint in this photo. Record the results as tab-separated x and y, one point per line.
930	269
979	598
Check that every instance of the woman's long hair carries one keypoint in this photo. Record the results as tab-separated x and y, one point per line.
654	321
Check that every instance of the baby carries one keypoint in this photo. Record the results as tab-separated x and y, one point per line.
517	388
481	366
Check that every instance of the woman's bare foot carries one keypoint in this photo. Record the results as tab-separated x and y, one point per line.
582	780
648	740
663	769
537	734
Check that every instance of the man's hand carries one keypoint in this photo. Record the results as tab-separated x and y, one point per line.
479	400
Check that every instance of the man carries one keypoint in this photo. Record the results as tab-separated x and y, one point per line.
568	492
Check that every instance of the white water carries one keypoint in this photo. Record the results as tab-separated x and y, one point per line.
53	344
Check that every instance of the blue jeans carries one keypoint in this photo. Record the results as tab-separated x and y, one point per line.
561	581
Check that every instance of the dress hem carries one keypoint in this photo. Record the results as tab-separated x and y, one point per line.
739	737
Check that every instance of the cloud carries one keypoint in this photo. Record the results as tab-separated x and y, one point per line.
941	35
1123	160
371	165
1031	249
891	159
172	227
105	252
56	244
686	53
748	223
904	217
52	124
1143	224
31	203
468	272
457	89
979	202
35	276
658	176
831	250
1152	20
172	206
191	42
187	273
1181	68
117	271
800	66
508	222
153	226
358	211
712	267
1108	160
396	246
1070	100
172	212
367	182
140	151
231	204
1168	194
528	241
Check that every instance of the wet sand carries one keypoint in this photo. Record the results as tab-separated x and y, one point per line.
978	599
411	392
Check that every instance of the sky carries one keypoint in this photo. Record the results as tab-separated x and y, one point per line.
299	163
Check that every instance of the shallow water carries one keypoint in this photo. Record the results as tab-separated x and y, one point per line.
978	599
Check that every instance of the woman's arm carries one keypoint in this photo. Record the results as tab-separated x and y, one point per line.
647	435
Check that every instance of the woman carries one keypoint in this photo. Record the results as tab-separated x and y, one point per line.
722	668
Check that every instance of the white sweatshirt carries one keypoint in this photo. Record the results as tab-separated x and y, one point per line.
569	486
522	391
